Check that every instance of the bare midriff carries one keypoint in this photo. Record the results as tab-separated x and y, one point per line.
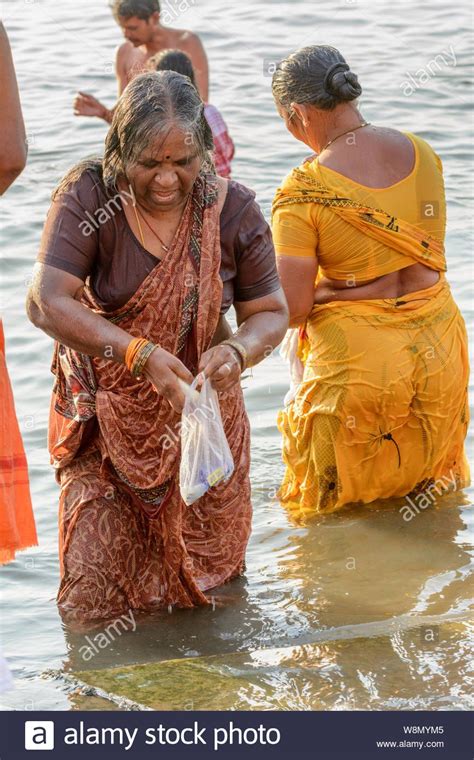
393	285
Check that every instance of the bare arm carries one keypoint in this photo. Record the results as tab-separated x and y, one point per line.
13	146
53	306
262	324
195	49
122	66
87	105
297	275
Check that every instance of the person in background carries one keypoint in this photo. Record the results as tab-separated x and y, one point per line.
176	60
381	408
17	524
13	145
145	36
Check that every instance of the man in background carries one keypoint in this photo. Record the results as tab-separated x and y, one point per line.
145	36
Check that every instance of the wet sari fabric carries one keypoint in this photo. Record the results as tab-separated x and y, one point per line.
382	410
127	540
17	525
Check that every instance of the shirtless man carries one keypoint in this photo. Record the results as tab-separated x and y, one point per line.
145	36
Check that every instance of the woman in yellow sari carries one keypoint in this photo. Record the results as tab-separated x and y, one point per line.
381	407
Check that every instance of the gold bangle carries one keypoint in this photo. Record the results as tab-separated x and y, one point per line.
137	354
241	350
142	357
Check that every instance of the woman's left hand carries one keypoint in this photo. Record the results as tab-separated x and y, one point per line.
221	365
324	292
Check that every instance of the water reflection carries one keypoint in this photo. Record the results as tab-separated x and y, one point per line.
357	607
370	564
402	671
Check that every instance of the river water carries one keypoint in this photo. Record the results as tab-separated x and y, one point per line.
360	609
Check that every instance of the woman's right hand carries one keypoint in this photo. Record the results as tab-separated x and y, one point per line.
164	370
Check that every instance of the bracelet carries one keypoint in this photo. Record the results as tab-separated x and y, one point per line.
241	350
137	354
142	359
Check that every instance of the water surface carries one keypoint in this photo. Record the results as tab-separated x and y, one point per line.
360	609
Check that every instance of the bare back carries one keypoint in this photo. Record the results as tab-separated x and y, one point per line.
378	157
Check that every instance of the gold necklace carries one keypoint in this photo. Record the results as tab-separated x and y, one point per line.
142	238
354	129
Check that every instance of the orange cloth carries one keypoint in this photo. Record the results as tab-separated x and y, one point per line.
17	525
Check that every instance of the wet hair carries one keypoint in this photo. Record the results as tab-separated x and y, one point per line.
172	60
149	107
140	8
317	75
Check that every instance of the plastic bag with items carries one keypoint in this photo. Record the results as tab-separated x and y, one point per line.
206	458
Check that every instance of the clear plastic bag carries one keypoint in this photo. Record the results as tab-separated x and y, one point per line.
206	458
289	352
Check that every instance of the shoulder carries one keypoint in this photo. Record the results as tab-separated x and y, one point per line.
123	52
239	202
83	185
233	198
129	59
424	148
187	40
288	182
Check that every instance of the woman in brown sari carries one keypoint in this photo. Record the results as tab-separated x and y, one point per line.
141	256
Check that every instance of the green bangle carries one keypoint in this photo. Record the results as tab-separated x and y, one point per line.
142	358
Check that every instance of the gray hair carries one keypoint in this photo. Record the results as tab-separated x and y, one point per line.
317	75
150	106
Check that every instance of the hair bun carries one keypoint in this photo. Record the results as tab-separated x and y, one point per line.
316	74
343	84
337	67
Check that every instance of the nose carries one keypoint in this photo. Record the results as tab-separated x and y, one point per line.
166	179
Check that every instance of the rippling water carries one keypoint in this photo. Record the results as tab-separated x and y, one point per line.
355	610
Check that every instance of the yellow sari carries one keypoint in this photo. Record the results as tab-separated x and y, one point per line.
382	410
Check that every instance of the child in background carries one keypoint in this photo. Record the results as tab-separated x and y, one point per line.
176	60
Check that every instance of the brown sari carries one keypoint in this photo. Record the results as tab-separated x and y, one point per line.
127	540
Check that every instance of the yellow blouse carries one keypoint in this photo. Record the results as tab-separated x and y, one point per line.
309	229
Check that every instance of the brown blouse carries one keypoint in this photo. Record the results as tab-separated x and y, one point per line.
87	234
